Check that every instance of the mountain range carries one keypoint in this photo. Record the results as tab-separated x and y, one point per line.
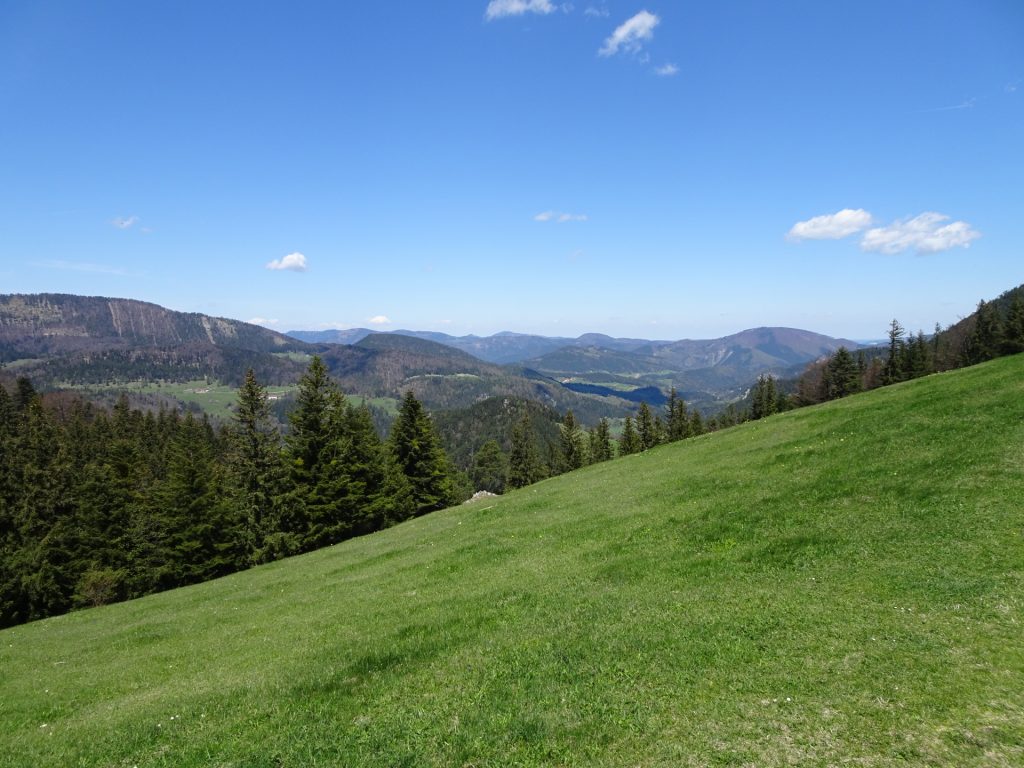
61	339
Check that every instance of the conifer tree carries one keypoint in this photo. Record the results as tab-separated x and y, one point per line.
1013	328
765	399
254	462
629	441
314	514
675	412
600	440
696	424
985	339
490	468
842	376
894	365
523	463
645	427
371	490
570	443
416	448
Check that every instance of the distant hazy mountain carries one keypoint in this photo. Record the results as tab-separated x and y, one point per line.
502	348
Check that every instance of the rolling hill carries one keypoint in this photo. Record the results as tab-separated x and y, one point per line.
841	584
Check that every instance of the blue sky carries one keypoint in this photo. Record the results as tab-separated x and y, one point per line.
656	169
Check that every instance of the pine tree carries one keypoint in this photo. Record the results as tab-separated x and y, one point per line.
523	463
675	413
255	466
765	399
629	441
315	515
696	424
371	490
570	443
490	468
600	440
1013	327
645	427
842	375
894	364
986	338
416	448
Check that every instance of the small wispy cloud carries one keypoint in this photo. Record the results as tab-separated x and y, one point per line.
124	222
293	262
378	320
831	226
559	217
631	34
596	13
263	321
924	233
666	70
499	9
81	266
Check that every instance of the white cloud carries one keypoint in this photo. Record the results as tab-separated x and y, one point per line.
263	321
559	217
498	9
378	320
631	34
294	262
924	233
597	13
832	226
666	70
124	222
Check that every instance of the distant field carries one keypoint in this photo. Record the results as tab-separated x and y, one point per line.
214	399
841	585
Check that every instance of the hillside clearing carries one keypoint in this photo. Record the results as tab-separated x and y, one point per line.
842	584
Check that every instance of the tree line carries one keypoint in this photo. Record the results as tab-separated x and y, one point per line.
98	506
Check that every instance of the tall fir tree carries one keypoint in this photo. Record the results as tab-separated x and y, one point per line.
600	442
1013	327
894	363
490	468
675	413
254	461
570	443
417	449
842	375
986	337
629	441
765	398
645	427
524	467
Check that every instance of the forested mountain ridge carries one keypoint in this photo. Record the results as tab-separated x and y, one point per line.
60	339
53	323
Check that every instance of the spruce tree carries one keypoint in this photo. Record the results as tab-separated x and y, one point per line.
600	440
570	443
765	399
675	412
842	376
523	462
986	338
894	364
629	441
314	515
645	428
490	468
1013	327
256	472
416	448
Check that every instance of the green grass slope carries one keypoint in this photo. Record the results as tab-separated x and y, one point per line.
840	585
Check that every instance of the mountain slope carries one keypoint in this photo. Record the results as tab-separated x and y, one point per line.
93	339
837	585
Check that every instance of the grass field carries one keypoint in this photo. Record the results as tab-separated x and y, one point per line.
840	585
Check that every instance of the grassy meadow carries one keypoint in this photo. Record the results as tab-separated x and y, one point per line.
839	585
